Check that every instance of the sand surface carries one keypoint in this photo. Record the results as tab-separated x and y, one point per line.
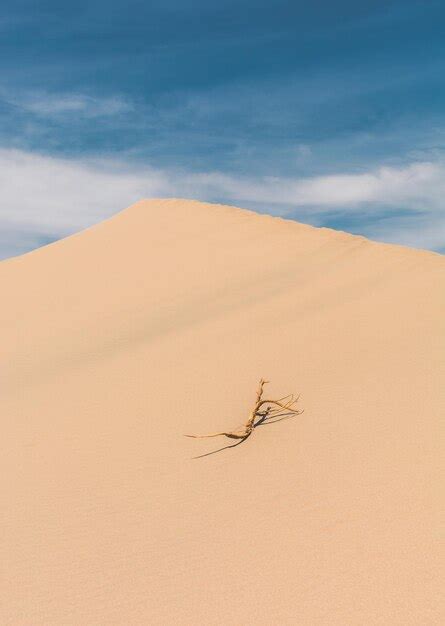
117	341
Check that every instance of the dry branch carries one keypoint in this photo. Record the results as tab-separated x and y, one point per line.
271	408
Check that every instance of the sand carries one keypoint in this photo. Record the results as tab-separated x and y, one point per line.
159	322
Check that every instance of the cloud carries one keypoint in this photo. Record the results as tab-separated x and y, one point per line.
418	186
58	196
45	104
45	198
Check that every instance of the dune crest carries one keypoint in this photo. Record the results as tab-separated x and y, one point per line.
159	322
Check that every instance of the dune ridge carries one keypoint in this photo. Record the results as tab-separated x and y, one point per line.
160	321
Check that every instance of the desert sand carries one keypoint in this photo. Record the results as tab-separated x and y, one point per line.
119	340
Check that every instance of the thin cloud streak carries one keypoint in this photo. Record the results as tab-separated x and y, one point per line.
44	104
45	198
416	186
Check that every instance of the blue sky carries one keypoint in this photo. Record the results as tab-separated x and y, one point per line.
331	112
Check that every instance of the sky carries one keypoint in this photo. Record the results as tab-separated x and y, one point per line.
330	112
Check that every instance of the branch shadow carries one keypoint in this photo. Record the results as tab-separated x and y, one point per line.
265	420
231	445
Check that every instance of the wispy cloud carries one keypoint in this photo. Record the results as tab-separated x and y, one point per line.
418	186
44	198
52	105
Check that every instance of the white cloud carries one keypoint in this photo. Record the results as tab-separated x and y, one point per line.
417	186
46	198
58	196
46	104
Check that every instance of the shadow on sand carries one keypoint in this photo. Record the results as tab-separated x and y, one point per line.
264	420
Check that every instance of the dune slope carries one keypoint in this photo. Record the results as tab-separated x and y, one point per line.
159	322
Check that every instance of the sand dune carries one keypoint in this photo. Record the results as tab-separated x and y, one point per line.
160	321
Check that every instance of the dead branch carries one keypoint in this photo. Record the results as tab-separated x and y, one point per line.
271	408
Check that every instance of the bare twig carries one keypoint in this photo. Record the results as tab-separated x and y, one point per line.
273	408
